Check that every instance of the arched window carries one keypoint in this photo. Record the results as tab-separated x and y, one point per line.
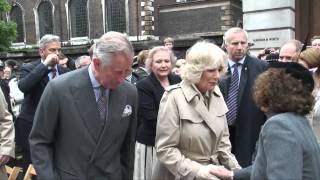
45	18
17	17
78	18
116	15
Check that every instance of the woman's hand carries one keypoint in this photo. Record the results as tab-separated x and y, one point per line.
205	172
222	172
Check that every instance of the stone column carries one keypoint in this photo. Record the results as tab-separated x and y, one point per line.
269	23
147	17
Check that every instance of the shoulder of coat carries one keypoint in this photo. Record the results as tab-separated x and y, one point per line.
172	87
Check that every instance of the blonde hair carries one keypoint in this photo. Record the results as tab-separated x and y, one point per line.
202	56
153	51
310	56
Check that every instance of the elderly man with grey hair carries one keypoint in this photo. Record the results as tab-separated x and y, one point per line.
290	49
34	78
68	141
82	61
244	117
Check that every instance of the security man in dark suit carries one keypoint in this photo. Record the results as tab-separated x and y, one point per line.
244	117
34	78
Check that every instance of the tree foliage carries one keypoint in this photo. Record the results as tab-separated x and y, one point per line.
8	30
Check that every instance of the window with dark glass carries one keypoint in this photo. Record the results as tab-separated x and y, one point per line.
45	18
116	15
78	18
16	16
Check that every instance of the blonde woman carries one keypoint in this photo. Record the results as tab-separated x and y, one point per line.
192	132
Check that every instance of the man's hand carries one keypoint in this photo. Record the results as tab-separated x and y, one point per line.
4	159
51	60
222	172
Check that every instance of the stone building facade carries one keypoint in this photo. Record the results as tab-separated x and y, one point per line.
146	22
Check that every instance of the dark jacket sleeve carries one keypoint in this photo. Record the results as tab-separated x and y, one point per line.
31	75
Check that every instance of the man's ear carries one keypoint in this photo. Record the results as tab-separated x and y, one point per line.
96	63
41	52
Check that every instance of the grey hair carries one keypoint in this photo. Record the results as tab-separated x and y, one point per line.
112	43
203	56
48	38
296	43
227	34
77	61
153	51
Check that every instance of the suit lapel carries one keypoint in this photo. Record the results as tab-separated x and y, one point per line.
243	79
85	102
115	109
113	123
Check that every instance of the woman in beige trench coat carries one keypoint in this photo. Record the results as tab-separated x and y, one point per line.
192	134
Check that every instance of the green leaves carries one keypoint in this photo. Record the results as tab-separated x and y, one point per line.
8	30
4	6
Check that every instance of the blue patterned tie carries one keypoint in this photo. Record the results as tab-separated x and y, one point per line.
102	103
232	101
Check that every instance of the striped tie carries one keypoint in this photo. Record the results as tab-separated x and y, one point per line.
232	101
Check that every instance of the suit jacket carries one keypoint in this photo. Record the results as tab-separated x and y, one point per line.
288	150
249	118
189	135
68	141
150	92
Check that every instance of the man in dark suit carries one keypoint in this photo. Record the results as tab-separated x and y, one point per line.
69	141
34	78
248	118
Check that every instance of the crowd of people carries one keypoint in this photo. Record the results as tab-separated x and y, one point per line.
218	113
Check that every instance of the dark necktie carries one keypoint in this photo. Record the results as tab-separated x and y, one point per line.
53	72
232	101
102	104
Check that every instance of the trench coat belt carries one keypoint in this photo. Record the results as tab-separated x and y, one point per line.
200	158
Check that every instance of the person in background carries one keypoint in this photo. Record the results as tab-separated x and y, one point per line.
168	43
69	141
82	61
178	66
5	76
244	117
289	49
315	42
192	134
66	62
34	78
141	70
310	58
150	90
265	52
7	145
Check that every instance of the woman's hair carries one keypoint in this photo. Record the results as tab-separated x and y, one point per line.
153	51
200	57
142	56
310	56
285	87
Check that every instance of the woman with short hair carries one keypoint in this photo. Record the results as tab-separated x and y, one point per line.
287	146
150	90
